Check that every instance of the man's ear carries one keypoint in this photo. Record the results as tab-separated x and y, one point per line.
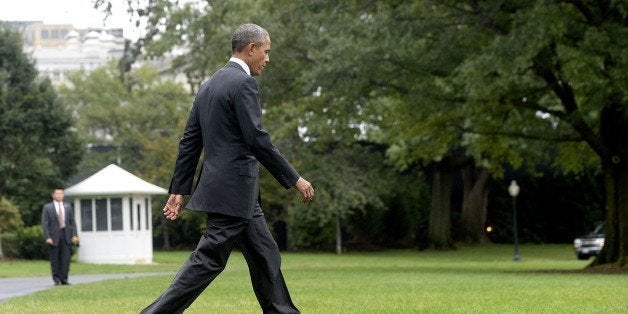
250	48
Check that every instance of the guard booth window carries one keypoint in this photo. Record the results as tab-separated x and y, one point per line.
131	213
107	214
87	221
101	215
116	213
147	209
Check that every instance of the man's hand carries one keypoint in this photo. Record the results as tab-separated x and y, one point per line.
74	240
306	189
173	207
49	241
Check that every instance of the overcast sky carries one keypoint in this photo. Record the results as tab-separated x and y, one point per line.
79	13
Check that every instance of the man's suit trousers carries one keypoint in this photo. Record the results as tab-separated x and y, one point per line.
210	258
60	259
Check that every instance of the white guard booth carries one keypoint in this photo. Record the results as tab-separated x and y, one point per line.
113	215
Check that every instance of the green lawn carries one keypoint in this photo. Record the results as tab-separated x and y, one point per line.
469	280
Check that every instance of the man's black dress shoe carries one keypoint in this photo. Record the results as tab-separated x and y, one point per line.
65	283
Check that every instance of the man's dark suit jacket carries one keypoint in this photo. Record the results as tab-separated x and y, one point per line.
226	120
50	223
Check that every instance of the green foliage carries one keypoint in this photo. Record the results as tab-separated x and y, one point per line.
504	83
10	218
343	180
39	144
571	159
512	77
10	244
10	221
556	73
205	31
182	233
354	185
32	244
26	243
129	119
135	122
307	231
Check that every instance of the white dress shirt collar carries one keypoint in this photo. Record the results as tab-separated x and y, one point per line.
60	206
242	64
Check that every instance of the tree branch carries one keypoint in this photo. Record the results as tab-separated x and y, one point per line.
537	107
512	134
586	12
398	88
546	65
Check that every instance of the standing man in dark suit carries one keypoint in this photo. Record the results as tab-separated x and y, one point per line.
59	227
225	121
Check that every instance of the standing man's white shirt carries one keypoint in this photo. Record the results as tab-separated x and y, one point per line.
61	213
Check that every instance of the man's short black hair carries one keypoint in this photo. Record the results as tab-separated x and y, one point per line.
246	34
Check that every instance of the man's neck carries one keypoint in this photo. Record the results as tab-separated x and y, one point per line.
241	63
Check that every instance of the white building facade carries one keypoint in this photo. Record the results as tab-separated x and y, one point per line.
76	50
59	49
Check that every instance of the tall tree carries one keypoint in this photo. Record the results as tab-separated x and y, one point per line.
204	31
560	69
126	118
40	147
435	79
134	120
350	180
382	70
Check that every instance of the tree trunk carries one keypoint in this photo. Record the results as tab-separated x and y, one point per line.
616	224
614	134
439	229
338	235
474	201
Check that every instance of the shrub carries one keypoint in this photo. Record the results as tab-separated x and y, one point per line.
10	218
307	231
32	244
10	245
27	243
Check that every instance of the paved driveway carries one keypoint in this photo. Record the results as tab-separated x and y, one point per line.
19	286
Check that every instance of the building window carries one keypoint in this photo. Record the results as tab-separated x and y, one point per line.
87	216
131	212
116	214
44	34
54	34
139	213
64	32
147	208
101	214
29	37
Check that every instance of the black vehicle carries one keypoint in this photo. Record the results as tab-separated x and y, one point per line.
591	244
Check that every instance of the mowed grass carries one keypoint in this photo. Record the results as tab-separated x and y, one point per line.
481	279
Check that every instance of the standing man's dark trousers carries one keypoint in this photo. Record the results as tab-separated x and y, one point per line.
210	258
60	260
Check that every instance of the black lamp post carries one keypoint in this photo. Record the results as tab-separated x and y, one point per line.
513	190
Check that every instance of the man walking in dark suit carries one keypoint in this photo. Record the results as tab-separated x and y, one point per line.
59	227
225	121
